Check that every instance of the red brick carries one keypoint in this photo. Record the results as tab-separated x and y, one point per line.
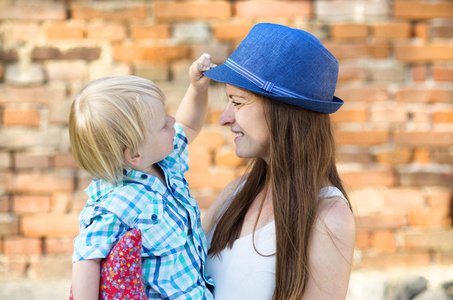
46	52
363	93
228	31
13	267
443	116
205	201
442	73
392	30
37	94
67	70
192	10
351	73
367	200
439	197
21	117
156	31
38	11
58	246
64	31
50	225
424	53
429	218
383	241
389	113
9	225
419	95
422	156
6	180
444	30
4	204
21	245
8	55
5	160
420	10
60	202
22	32
421	31
31	204
379	221
214	116
208	139
107	32
213	177
200	158
405	199
65	161
362	137
155	54
119	11
369	177
348	50
26	160
362	240
257	9
44	182
423	138
428	240
350	114
50	267
419	73
354	154
394	260
227	157
349	31
394	157
425	178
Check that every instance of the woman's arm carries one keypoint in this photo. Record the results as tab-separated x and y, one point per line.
86	279
331	250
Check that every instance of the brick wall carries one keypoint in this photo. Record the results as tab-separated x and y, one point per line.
394	133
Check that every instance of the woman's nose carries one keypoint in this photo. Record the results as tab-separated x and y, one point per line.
227	116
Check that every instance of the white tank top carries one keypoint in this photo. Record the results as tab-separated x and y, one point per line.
240	272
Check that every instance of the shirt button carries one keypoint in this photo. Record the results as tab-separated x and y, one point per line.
190	231
124	172
144	176
199	248
154	217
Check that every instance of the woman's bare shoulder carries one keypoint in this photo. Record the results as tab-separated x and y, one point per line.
210	218
331	250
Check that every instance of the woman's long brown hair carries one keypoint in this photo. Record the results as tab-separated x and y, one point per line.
301	160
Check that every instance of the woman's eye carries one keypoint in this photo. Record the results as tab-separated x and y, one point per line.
235	103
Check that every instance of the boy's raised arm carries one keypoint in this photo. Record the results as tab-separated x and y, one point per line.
192	111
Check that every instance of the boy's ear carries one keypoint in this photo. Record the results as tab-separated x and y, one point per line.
132	158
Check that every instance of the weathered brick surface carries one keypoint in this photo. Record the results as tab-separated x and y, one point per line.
394	133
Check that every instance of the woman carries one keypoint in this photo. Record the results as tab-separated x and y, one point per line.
285	229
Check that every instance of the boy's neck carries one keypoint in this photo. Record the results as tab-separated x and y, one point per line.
157	171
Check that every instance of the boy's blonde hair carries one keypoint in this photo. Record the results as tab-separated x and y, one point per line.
107	117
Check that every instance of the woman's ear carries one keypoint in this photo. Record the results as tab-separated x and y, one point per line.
132	159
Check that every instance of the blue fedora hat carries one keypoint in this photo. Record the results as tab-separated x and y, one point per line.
285	64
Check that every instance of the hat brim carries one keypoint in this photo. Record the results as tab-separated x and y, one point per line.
224	74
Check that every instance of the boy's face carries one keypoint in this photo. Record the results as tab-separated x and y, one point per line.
159	140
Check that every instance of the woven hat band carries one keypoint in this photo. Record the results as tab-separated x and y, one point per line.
261	83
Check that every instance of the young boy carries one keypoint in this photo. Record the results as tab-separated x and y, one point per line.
121	134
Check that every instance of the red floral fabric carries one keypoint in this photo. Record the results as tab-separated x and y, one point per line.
121	271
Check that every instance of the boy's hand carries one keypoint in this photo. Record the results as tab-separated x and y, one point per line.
197	79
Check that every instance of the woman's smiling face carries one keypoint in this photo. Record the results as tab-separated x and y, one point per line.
244	114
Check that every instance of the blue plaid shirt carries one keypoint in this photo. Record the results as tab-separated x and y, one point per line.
173	242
